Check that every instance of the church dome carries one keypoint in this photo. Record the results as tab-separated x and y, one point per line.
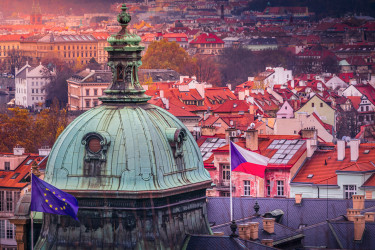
126	145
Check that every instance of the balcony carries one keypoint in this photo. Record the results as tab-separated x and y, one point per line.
224	185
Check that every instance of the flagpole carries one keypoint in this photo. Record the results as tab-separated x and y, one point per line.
32	214
230	181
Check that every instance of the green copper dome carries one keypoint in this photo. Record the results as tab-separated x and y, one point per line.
126	145
141	148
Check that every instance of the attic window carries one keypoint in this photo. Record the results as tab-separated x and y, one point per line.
15	175
367	151
310	176
2	176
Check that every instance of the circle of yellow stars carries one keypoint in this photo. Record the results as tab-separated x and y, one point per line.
56	207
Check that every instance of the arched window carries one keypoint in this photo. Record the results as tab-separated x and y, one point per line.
120	73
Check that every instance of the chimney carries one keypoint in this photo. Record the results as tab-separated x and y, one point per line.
308	133
354	150
269	225
368	194
254	229
44	151
359	227
18	150
340	150
311	142
244	231
298	199
252	139
267	242
350	213
370	216
229	132
358	201
208	130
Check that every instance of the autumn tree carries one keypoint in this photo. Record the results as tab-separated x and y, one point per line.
57	86
206	69
166	55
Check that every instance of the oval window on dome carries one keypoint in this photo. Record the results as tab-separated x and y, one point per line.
94	145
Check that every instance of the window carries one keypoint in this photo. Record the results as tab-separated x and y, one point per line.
225	194
9	201
87	92
312	104
268	188
226	173
246	188
95	92
95	103
32	91
367	108
87	103
36	91
2	200
321	105
10	230
280	188
7	166
349	190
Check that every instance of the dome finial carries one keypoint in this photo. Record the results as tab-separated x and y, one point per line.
123	17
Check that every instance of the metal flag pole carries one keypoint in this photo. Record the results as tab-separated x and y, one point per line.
230	181
32	213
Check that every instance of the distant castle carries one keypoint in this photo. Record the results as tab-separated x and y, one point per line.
36	14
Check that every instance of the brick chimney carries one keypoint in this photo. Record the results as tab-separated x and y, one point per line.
269	225
354	150
359	227
252	139
254	229
350	213
370	216
244	231
358	201
340	150
267	242
368	194
229	132
298	199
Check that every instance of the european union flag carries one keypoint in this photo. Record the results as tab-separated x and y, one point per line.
48	199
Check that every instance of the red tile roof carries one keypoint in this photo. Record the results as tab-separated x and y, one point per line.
233	106
206	38
370	181
22	170
323	172
218	94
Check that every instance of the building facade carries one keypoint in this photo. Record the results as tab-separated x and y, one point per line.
30	86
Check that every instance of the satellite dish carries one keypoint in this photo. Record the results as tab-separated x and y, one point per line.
252	125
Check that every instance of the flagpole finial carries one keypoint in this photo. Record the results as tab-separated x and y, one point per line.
256	209
233	228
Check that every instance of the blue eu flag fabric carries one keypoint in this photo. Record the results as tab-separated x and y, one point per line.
48	199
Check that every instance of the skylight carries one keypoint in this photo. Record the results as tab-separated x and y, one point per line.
15	175
310	176
28	162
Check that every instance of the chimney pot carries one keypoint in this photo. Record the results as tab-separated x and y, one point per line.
368	194
340	150
252	139
269	225
298	198
359	227
350	213
358	201
243	231
254	230
229	133
354	150
370	216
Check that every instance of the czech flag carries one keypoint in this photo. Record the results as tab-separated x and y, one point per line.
246	161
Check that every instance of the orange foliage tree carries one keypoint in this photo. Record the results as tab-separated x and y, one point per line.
19	127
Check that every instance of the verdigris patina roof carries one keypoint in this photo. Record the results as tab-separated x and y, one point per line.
139	155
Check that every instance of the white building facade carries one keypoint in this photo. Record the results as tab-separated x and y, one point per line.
30	84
